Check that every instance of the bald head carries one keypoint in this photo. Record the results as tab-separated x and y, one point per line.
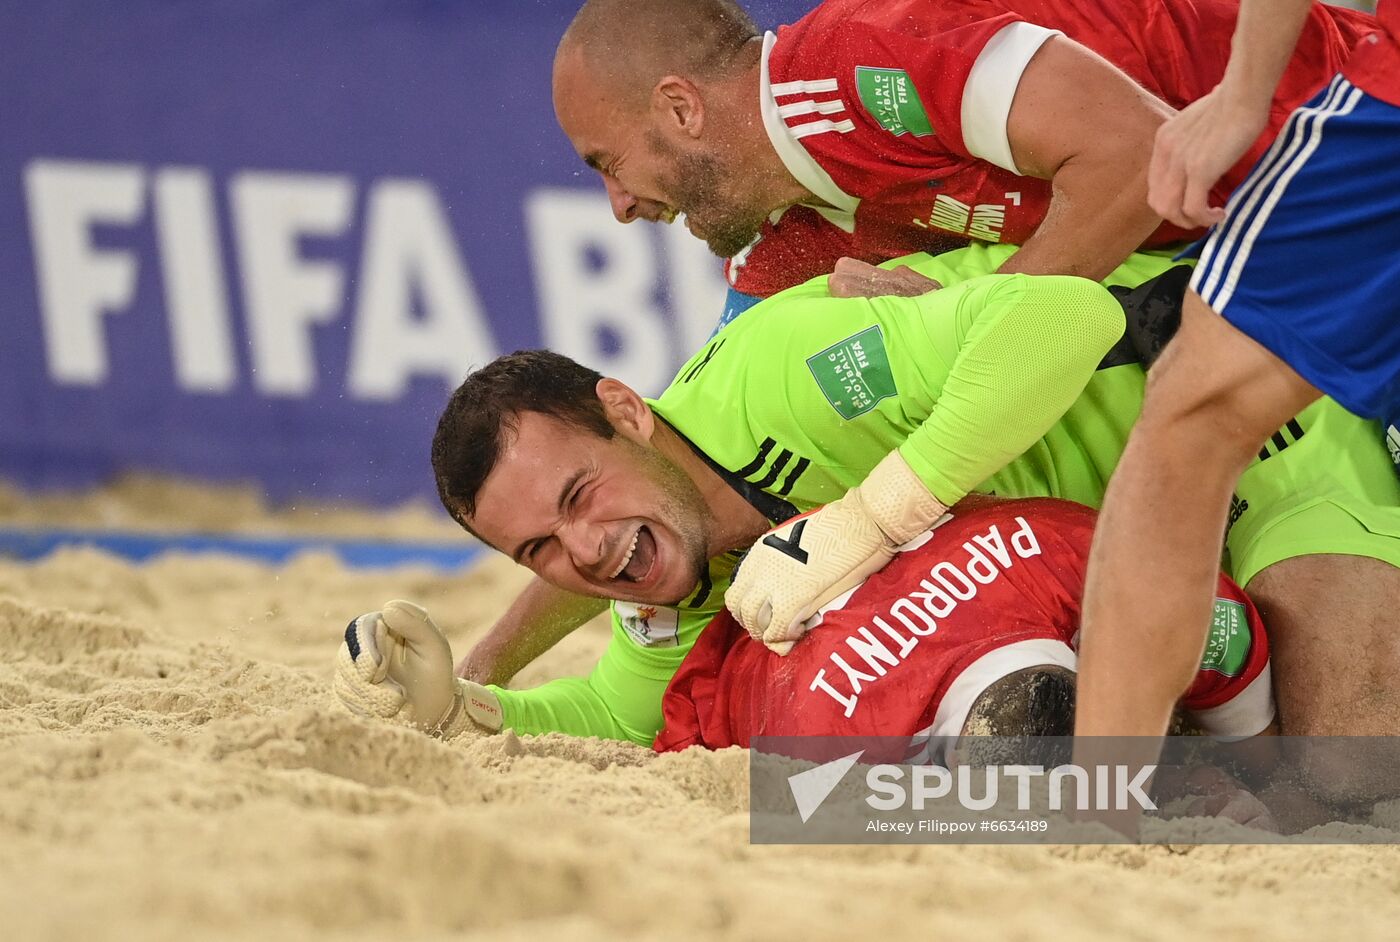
626	46
660	97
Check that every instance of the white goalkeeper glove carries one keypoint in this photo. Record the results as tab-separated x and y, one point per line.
396	664
798	567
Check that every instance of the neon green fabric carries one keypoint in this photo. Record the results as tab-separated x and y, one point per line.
969	382
991	407
804	393
1323	484
621	698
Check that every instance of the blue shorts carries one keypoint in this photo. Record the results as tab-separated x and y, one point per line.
1307	260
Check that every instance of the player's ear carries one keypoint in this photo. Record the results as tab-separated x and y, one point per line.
678	107
626	410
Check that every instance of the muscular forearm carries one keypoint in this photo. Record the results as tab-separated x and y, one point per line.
1086	232
536	621
1265	36
1084	125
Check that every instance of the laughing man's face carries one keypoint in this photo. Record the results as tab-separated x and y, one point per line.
652	171
610	518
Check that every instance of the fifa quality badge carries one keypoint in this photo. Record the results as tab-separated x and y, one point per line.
1227	648
854	374
892	100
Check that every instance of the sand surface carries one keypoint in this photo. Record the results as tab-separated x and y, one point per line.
153	503
172	767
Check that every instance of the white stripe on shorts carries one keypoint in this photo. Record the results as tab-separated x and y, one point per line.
1246	195
1233	252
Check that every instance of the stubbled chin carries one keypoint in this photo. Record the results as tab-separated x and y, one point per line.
657	595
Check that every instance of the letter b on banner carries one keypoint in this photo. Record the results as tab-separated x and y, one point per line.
597	287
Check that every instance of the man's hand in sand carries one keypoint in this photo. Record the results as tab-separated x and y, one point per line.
853	278
1218	795
396	663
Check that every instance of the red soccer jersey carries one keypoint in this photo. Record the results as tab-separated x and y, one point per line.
993	589
893	114
1375	65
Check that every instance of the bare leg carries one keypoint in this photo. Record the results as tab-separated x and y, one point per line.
1212	400
1335	644
1335	648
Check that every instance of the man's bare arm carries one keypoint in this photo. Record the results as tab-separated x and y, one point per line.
1195	148
539	618
1081	123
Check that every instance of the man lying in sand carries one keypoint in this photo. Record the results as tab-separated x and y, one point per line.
1008	384
971	626
971	629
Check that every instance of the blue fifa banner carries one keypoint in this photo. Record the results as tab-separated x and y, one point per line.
254	240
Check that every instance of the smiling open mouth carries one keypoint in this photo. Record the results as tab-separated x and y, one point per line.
636	565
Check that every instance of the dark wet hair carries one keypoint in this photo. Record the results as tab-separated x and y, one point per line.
487	407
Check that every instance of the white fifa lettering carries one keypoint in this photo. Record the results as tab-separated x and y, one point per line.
78	282
596	283
409	245
695	286
285	295
196	291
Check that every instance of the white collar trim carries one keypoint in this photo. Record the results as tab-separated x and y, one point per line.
795	157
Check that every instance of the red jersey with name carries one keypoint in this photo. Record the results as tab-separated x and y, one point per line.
893	113
993	589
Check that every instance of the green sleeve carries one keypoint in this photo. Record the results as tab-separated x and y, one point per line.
566	705
1026	349
620	699
962	381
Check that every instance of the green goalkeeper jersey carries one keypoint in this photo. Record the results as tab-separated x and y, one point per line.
995	383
